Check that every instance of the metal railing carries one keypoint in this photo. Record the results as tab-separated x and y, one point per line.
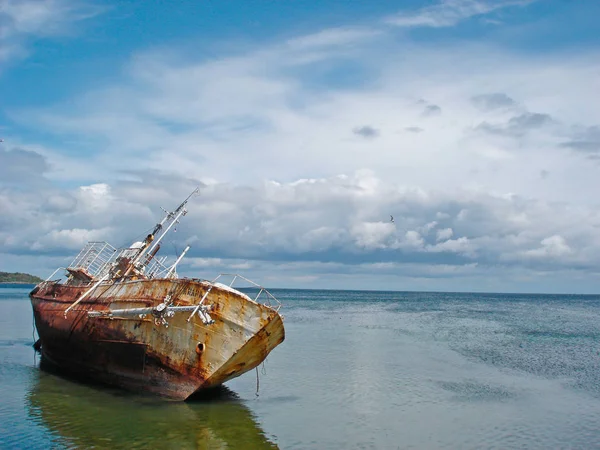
263	296
157	269
94	258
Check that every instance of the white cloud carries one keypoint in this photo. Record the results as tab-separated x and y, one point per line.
206	119
450	12
551	247
412	239
289	185
444	234
372	235
73	239
460	246
21	20
333	37
332	225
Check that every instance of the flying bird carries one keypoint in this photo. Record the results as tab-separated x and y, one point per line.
391	218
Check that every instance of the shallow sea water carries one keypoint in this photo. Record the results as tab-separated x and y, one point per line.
365	370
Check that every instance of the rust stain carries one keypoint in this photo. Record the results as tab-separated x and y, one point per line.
139	354
116	320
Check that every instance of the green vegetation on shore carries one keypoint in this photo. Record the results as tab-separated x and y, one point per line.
17	277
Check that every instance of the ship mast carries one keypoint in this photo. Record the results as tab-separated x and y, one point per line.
160	231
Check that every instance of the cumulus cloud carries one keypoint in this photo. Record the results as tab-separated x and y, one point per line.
551	247
372	235
341	220
70	239
460	246
285	192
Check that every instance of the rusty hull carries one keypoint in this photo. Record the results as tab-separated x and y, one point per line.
141	355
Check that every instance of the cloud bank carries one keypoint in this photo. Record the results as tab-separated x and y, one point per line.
304	148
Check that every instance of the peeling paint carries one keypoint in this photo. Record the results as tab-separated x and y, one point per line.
141	353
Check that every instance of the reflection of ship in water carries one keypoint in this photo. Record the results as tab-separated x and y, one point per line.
81	416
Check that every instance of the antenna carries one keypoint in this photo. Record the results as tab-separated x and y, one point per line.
173	218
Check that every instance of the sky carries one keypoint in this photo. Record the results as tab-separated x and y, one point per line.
307	124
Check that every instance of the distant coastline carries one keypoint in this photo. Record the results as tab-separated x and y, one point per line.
18	278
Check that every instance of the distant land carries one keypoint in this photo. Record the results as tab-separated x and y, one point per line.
17	277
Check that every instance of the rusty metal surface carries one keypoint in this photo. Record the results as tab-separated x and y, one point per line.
141	354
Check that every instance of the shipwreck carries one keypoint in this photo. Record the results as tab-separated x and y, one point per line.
124	317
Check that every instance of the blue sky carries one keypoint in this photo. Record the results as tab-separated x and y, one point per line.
307	124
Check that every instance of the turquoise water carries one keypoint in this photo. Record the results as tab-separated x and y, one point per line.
381	370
